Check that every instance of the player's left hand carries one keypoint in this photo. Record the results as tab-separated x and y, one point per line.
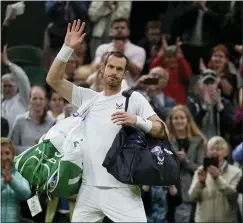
123	118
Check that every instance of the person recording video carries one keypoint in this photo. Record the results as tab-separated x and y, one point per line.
151	86
214	185
212	113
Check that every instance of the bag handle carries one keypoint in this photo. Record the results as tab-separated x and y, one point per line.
127	94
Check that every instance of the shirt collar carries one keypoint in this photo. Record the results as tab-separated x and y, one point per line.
223	165
27	115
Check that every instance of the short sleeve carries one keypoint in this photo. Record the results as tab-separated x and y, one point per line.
81	95
143	108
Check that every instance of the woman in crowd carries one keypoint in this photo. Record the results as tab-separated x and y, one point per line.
30	126
56	105
189	143
13	186
214	186
219	62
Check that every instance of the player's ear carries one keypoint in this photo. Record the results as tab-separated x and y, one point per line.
102	68
125	74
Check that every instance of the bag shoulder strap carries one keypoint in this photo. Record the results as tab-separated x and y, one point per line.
127	94
84	108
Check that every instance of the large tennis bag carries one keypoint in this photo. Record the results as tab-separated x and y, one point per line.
138	159
55	164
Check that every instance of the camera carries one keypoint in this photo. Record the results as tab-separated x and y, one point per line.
151	81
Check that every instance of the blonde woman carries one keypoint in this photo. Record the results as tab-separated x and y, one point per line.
214	187
189	143
14	187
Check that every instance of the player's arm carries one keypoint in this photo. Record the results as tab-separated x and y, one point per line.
55	77
154	126
158	129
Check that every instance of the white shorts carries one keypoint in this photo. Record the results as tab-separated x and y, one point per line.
118	204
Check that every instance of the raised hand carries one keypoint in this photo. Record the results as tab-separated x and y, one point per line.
75	35
202	174
164	45
202	65
4	56
178	47
7	173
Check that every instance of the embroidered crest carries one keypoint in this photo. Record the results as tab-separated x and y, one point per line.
119	106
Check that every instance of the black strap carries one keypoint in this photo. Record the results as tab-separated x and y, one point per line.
127	94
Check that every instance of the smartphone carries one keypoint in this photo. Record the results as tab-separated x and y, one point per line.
151	81
210	161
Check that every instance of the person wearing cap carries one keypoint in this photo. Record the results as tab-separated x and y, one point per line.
211	112
15	91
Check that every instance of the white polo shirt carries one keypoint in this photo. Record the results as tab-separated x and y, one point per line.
100	132
134	53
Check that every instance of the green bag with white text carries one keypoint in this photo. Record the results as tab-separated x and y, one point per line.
54	165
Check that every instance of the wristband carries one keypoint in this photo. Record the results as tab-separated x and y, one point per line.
145	125
65	53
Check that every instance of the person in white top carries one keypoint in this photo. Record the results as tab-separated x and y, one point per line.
15	91
120	42
56	104
101	194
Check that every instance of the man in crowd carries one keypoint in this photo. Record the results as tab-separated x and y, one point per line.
210	111
151	86
151	42
101	14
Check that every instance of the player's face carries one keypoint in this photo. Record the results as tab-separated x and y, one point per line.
114	71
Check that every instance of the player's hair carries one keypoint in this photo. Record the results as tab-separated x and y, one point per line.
119	55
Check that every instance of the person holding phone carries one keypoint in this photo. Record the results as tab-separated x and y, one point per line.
212	112
189	143
151	86
214	185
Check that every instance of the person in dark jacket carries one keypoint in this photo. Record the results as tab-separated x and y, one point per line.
4	127
151	42
212	113
199	28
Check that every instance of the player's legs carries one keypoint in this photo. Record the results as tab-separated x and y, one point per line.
87	208
123	204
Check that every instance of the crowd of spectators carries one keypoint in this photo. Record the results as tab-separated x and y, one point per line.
192	77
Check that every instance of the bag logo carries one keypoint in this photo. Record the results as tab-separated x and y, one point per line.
52	160
76	143
160	160
119	106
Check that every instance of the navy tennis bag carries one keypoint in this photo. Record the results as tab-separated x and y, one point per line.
138	159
